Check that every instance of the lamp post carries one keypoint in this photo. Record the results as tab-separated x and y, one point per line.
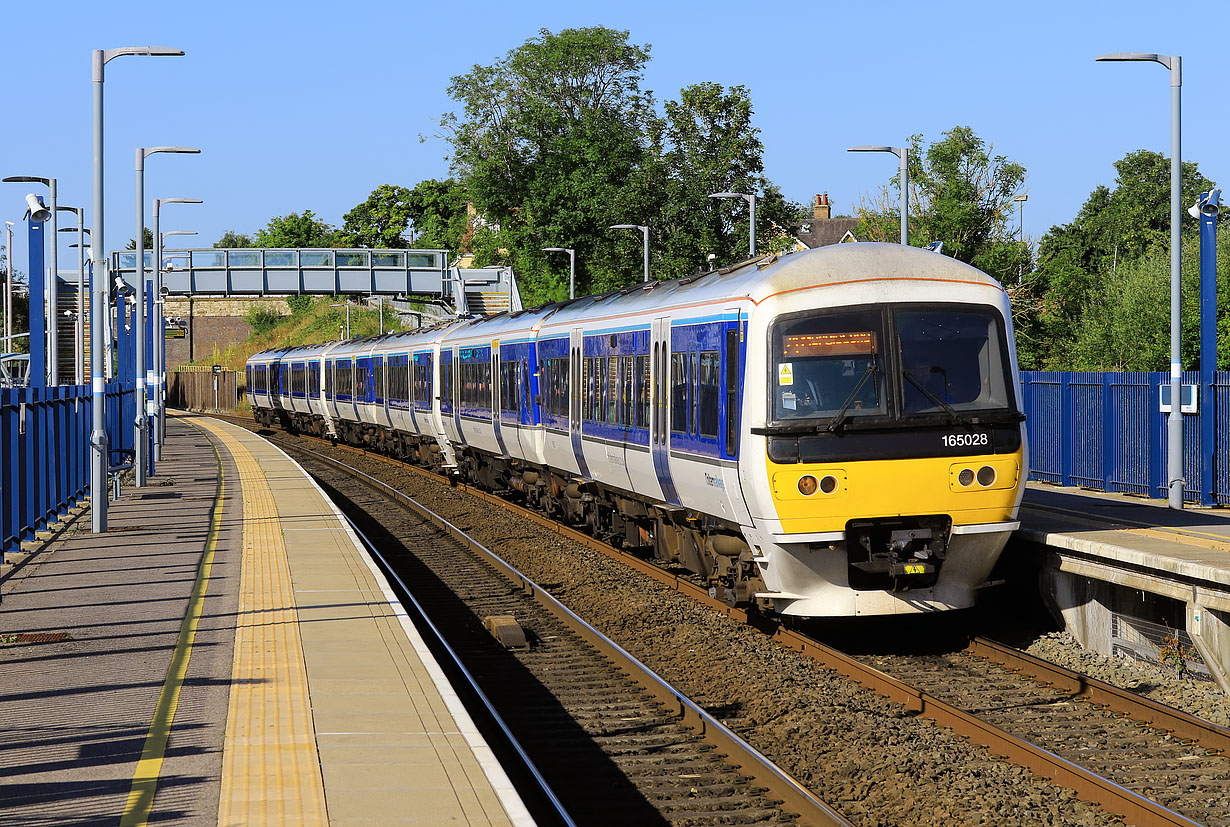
52	321
160	363
750	198
902	153
99	305
79	318
144	377
572	267
1020	200
8	289
644	233
1174	425
347	306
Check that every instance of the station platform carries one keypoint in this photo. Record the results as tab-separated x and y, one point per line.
1117	565
227	654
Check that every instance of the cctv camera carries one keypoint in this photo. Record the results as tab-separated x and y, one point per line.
164	291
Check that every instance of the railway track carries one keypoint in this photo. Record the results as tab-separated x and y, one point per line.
1134	757
615	743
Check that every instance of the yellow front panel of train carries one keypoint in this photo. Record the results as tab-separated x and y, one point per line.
814	497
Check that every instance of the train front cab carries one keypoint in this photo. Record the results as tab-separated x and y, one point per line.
894	456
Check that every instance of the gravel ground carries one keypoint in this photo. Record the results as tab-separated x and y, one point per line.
1159	683
880	765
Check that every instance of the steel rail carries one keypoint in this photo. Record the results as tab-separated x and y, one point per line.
1214	738
737	751
1089	786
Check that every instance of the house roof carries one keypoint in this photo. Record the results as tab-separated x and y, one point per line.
821	232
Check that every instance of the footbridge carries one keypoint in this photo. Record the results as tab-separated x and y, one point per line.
316	271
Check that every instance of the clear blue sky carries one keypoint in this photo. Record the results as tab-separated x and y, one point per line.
311	105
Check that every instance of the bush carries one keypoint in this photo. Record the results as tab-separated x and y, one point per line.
299	304
262	319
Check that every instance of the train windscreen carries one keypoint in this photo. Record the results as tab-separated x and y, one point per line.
890	364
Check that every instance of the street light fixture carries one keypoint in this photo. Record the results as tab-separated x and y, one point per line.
48	213
347	306
1174	424
902	153
160	363
79	318
572	267
8	289
750	198
145	376
644	233
99	304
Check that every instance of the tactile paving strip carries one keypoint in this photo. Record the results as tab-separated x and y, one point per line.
271	769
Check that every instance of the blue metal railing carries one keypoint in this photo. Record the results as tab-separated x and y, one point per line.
44	452
1106	431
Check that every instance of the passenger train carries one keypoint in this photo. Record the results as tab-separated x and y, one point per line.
830	433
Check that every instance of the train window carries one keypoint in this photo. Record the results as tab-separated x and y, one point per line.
329	378
523	394
679	393
829	364
695	389
642	392
952	358
378	378
485	399
709	381
612	390
628	398
564	380
732	393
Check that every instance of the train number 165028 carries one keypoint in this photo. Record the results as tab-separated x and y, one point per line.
965	440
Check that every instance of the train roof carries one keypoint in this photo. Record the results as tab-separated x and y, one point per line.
754	280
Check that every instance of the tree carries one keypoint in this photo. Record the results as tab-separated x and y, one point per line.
960	194
146	235
550	138
1079	263
438	213
381	220
232	239
297	230
706	144
558	142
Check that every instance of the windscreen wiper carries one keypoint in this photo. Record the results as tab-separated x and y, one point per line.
840	416
935	399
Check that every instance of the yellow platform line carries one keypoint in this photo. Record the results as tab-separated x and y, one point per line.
270	764
145	779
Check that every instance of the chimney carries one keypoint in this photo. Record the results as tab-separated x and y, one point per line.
821	209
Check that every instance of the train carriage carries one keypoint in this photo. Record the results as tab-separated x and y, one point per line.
830	433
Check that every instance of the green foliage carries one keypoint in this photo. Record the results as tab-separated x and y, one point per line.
960	194
437	210
299	304
1093	272
232	239
558	141
262	319
1124	323
147	236
380	221
298	230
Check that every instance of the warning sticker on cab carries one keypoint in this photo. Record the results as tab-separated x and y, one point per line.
785	373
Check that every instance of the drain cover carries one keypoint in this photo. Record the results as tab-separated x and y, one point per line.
33	637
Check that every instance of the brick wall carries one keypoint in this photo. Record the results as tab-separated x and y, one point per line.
211	323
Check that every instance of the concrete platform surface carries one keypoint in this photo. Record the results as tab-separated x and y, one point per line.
226	654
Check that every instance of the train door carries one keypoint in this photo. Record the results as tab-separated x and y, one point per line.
730	427
497	397
574	399
659	430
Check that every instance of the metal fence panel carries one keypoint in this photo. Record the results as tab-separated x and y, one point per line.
1107	431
